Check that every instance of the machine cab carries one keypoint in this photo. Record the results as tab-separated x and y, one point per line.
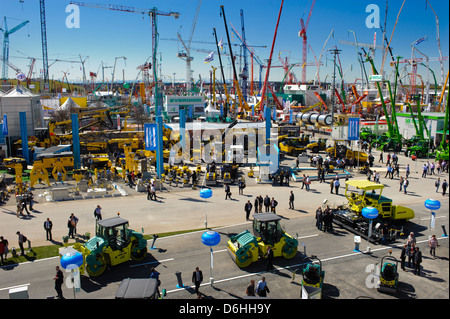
267	226
115	231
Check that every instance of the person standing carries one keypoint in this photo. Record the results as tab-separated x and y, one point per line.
319	218
336	185
256	204
408	170
444	187
273	205
403	256
248	208
269	256
267	203
261	202
59	279
154	274
307	183
197	278
71	226
250	291
98	212
291	200
262	289
417	261
433	243
48	225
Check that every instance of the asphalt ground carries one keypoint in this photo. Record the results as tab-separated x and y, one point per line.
182	209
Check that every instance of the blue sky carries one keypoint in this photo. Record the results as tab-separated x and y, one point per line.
105	34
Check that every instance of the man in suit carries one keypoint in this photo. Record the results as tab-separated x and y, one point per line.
59	279
197	278
48	225
248	208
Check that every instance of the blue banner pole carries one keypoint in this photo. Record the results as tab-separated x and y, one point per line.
24	136
76	142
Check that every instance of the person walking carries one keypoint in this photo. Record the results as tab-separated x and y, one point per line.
59	280
403	256
98	212
331	186
417	261
248	208
408	170
405	185
424	170
197	278
21	240
381	157
437	183
433	243
48	225
5	243
250	291
307	183
291	200
303	181
262	289
401	183
444	187
227	192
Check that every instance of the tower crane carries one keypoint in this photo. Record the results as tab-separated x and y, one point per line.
44	44
6	34
187	46
302	34
244	74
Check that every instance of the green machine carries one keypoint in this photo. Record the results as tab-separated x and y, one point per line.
245	248
388	275
418	145
443	148
390	140
114	243
313	273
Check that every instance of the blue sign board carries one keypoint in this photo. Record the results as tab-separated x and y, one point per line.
151	134
353	129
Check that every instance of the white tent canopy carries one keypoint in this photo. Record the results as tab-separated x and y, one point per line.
210	111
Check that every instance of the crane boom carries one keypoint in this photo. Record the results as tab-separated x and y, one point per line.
302	34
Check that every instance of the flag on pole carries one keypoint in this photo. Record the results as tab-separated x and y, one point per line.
221	44
419	40
209	58
5	125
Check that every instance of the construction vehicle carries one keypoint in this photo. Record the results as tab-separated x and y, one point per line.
313	273
341	151
114	243
316	147
418	145
388	275
442	151
390	140
363	193
292	146
245	248
367	135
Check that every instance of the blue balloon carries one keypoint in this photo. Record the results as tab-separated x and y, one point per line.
370	212
71	260
210	238
432	204
205	193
